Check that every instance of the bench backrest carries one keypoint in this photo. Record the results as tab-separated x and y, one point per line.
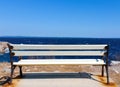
58	50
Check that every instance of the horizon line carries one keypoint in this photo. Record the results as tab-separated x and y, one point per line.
63	37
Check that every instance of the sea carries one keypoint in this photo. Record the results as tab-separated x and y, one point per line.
114	43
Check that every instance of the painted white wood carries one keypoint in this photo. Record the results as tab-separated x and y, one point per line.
57	50
59	61
57	47
59	53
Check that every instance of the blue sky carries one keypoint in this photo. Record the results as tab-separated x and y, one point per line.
60	18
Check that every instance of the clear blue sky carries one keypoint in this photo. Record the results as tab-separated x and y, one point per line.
60	18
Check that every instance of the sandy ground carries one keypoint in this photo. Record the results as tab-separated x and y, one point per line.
114	70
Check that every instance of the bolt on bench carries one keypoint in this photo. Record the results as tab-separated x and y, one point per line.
98	55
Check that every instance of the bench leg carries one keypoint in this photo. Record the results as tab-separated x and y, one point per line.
107	74
102	70
12	71
20	67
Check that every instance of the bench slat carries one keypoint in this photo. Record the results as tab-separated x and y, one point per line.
57	47
59	53
59	61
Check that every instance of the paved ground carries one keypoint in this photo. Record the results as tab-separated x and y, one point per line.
61	80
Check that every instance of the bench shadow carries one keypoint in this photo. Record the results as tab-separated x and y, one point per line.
81	75
55	75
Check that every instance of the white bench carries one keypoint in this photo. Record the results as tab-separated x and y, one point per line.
98	55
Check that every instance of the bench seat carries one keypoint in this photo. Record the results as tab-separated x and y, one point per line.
24	62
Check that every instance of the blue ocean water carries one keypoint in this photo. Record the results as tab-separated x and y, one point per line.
114	43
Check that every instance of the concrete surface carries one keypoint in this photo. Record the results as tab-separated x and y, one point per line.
58	80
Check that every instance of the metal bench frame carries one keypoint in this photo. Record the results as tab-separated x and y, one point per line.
14	47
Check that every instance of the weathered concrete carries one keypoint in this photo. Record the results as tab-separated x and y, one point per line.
59	80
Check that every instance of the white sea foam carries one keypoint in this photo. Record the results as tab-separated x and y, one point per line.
115	62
